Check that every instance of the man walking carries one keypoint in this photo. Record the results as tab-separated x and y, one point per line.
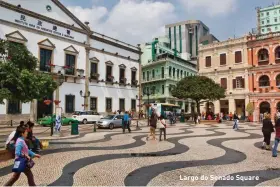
126	122
236	120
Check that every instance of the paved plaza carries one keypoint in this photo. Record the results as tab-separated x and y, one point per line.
192	155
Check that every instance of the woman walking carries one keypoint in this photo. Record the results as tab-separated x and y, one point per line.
162	128
22	151
267	129
277	136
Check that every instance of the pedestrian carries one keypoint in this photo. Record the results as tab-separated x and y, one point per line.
33	143
277	136
236	121
23	158
198	118
267	129
170	116
153	124
261	117
162	127
126	120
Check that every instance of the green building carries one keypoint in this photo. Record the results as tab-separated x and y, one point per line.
268	19
162	68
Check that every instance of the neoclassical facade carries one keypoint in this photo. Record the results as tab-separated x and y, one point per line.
264	76
226	63
95	72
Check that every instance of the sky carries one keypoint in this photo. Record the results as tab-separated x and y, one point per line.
139	21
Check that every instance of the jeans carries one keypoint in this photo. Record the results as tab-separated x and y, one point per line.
235	125
274	150
126	125
164	133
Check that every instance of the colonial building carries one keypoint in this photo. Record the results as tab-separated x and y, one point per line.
95	72
162	68
227	64
264	79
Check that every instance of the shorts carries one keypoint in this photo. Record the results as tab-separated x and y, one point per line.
152	130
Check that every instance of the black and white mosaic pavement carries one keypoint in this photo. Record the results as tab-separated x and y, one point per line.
192	155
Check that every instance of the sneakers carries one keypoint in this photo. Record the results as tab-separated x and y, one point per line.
267	147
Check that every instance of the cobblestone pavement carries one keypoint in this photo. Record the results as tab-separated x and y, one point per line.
192	155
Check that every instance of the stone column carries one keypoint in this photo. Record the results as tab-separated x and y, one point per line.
217	107
87	74
189	107
231	105
247	100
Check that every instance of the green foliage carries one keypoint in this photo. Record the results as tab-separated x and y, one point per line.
19	79
250	108
198	88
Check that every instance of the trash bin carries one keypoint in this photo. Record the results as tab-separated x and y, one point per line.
182	119
75	127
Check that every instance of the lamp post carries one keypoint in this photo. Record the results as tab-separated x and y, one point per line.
85	97
140	97
148	93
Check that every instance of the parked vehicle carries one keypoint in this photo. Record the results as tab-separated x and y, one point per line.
87	116
110	121
48	120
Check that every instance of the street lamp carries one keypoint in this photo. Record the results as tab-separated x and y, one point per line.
85	96
148	93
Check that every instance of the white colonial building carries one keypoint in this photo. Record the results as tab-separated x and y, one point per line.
95	72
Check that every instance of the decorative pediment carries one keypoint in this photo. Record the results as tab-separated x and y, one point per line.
122	66
94	59
109	63
71	49
46	43
16	36
134	69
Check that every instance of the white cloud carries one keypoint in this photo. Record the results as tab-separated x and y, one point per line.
131	21
212	8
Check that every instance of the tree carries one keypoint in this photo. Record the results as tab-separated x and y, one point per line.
198	88
19	79
250	108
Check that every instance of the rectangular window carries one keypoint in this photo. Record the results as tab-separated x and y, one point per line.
122	75
223	59
275	20
162	89
122	105
133	77
133	104
208	61
170	71
13	107
148	75
224	83
162	72
109	73
70	63
267	13
45	60
108	104
144	77
178	73
70	103
153	73
94	70
238	57
239	82
181	73
267	21
185	74
263	22
93	104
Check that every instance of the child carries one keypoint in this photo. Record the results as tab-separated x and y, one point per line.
22	151
162	128
277	137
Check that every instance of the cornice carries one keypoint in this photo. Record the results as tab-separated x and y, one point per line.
113	54
114	44
41	17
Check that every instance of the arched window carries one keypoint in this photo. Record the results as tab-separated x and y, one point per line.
263	57
264	81
278	81
277	55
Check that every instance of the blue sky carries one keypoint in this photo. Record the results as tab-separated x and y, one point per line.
138	21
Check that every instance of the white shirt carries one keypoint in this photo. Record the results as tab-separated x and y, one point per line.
10	137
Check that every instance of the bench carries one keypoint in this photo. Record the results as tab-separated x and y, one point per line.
5	155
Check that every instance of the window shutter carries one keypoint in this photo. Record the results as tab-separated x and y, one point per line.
234	83
238	57
242	83
223	59
224	83
208	61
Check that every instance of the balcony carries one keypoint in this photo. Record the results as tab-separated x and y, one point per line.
122	81
110	79
134	83
263	62
94	76
159	78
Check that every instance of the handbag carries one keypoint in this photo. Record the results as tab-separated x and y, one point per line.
20	164
30	163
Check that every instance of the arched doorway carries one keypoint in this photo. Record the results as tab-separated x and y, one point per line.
264	107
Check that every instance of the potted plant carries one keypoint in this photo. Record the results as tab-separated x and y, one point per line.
250	109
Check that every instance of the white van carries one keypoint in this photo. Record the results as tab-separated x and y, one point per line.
87	116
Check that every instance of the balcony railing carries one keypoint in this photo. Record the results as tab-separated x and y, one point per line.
263	62
123	80
94	76
134	82
277	61
160	78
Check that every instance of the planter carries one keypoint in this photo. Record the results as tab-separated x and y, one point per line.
56	102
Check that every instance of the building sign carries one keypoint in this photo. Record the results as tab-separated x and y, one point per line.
44	26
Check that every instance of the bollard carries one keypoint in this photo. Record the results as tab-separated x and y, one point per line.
94	128
137	127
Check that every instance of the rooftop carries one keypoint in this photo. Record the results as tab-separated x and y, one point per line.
186	23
